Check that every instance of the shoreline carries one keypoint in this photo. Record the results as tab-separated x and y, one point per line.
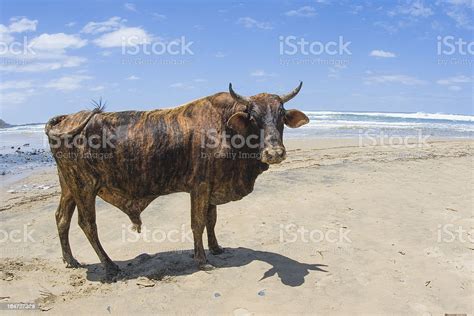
319	143
24	171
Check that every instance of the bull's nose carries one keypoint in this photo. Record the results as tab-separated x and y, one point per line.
273	155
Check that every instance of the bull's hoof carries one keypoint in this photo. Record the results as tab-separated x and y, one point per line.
206	267
72	264
111	272
216	250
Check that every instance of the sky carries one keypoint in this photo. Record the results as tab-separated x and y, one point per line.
382	56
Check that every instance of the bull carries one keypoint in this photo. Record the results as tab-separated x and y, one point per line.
152	153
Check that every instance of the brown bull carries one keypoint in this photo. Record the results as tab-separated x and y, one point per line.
213	148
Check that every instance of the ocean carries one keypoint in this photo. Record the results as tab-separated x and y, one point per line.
26	147
355	124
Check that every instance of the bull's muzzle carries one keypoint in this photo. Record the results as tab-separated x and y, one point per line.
271	155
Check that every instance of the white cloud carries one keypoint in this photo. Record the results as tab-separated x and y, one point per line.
356	9
463	19
454	80
5	36
261	73
112	24
305	11
130	7
220	55
460	11
133	77
177	85
158	16
13	97
57	42
67	83
461	2
98	88
249	23
382	53
15	84
105	53
402	79
70	24
20	25
387	27
42	53
187	85
334	72
17	25
125	36
22	90
42	63
455	88
181	85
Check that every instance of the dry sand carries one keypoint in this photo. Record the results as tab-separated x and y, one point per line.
388	217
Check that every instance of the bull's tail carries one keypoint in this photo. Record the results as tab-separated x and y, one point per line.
99	108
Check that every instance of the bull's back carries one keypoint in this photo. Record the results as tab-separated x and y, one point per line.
136	153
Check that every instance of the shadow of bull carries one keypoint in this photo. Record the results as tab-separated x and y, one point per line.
175	263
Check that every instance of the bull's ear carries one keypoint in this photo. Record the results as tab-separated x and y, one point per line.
238	122
295	118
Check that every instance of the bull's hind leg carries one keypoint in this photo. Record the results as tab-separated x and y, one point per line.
87	221
63	221
214	247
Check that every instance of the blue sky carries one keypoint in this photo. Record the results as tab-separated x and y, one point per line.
399	56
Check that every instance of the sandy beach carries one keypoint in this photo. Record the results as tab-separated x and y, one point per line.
337	228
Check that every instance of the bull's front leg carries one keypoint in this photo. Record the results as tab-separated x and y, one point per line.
214	247
199	211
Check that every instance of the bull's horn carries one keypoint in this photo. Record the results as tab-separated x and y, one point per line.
287	97
238	97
